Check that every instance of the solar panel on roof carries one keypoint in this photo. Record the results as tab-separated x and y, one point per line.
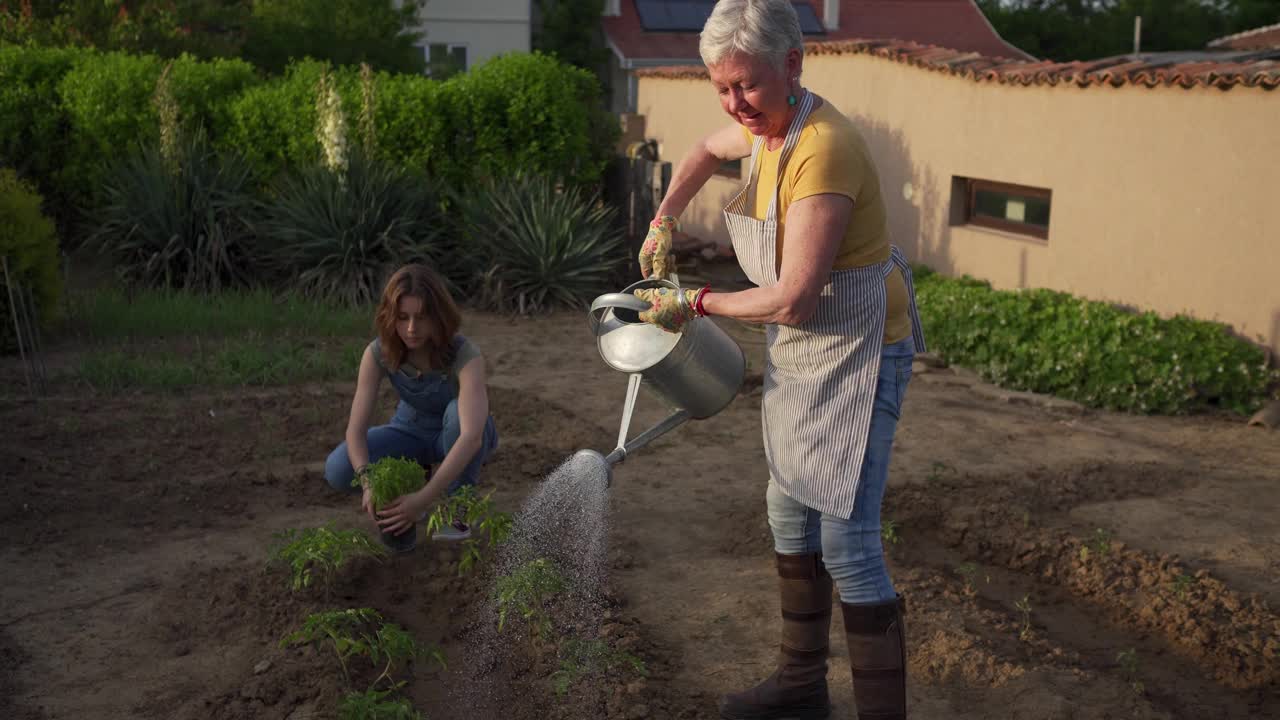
691	15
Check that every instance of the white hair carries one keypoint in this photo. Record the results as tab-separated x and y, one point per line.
760	28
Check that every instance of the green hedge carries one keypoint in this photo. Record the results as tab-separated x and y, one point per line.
66	113
109	109
33	124
29	242
1091	352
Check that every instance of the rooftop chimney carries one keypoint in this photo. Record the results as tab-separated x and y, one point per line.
831	14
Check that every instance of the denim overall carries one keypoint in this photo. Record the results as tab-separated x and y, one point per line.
425	426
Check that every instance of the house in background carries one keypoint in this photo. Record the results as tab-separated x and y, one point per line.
465	33
1146	180
654	33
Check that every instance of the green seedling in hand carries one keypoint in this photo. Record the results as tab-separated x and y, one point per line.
318	554
390	478
527	591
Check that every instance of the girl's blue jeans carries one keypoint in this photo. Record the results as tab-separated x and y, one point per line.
851	547
425	446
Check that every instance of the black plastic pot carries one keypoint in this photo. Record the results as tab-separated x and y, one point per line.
402	543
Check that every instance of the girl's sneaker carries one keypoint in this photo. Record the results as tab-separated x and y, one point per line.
455	532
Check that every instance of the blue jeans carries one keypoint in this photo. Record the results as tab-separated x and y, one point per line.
851	547
427	448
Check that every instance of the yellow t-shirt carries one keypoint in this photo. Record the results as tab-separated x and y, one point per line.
832	157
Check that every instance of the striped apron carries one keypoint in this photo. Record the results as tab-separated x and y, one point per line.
820	376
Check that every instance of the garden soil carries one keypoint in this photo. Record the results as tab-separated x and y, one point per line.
1057	563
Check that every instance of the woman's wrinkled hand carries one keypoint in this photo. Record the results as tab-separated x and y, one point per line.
655	254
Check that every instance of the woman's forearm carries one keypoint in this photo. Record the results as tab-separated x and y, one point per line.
775	304
357	447
693	172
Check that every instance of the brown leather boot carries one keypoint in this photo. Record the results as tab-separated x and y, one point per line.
878	655
798	688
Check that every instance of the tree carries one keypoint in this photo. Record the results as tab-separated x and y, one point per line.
571	31
1066	30
345	32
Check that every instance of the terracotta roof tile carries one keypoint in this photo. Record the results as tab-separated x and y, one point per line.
1258	69
1256	39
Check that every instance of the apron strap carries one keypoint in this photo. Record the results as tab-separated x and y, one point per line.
917	330
793	139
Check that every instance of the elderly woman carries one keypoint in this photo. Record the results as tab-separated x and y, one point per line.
836	298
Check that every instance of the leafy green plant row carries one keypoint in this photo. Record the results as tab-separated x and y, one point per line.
1092	352
64	113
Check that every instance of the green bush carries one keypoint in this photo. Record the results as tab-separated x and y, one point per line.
531	246
33	123
108	105
530	111
1091	352
178	223
29	244
339	236
274	124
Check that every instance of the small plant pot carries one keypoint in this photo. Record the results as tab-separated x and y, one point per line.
402	543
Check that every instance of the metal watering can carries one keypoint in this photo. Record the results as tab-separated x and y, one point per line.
696	372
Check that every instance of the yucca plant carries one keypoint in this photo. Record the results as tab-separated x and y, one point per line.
339	235
177	215
533	245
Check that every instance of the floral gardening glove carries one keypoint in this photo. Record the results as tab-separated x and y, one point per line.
655	253
668	312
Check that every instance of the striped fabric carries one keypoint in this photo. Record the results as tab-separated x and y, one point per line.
820	376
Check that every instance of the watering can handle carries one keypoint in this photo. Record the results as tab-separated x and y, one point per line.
626	301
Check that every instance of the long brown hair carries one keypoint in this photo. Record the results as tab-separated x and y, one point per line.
425	284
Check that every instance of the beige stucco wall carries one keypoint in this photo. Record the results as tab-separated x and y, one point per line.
485	27
1165	199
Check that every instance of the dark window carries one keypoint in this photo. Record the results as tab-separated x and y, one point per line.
444	59
691	15
730	168
1015	208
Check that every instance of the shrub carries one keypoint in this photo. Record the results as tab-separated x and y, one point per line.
183	227
273	124
530	111
1091	352
533	246
33	122
338	236
29	242
108	103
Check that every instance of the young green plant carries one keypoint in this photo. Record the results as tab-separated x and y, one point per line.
581	658
375	705
362	632
889	532
1024	606
391	478
527	592
316	555
1128	662
478	512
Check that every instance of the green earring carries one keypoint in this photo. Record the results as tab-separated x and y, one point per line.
791	99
